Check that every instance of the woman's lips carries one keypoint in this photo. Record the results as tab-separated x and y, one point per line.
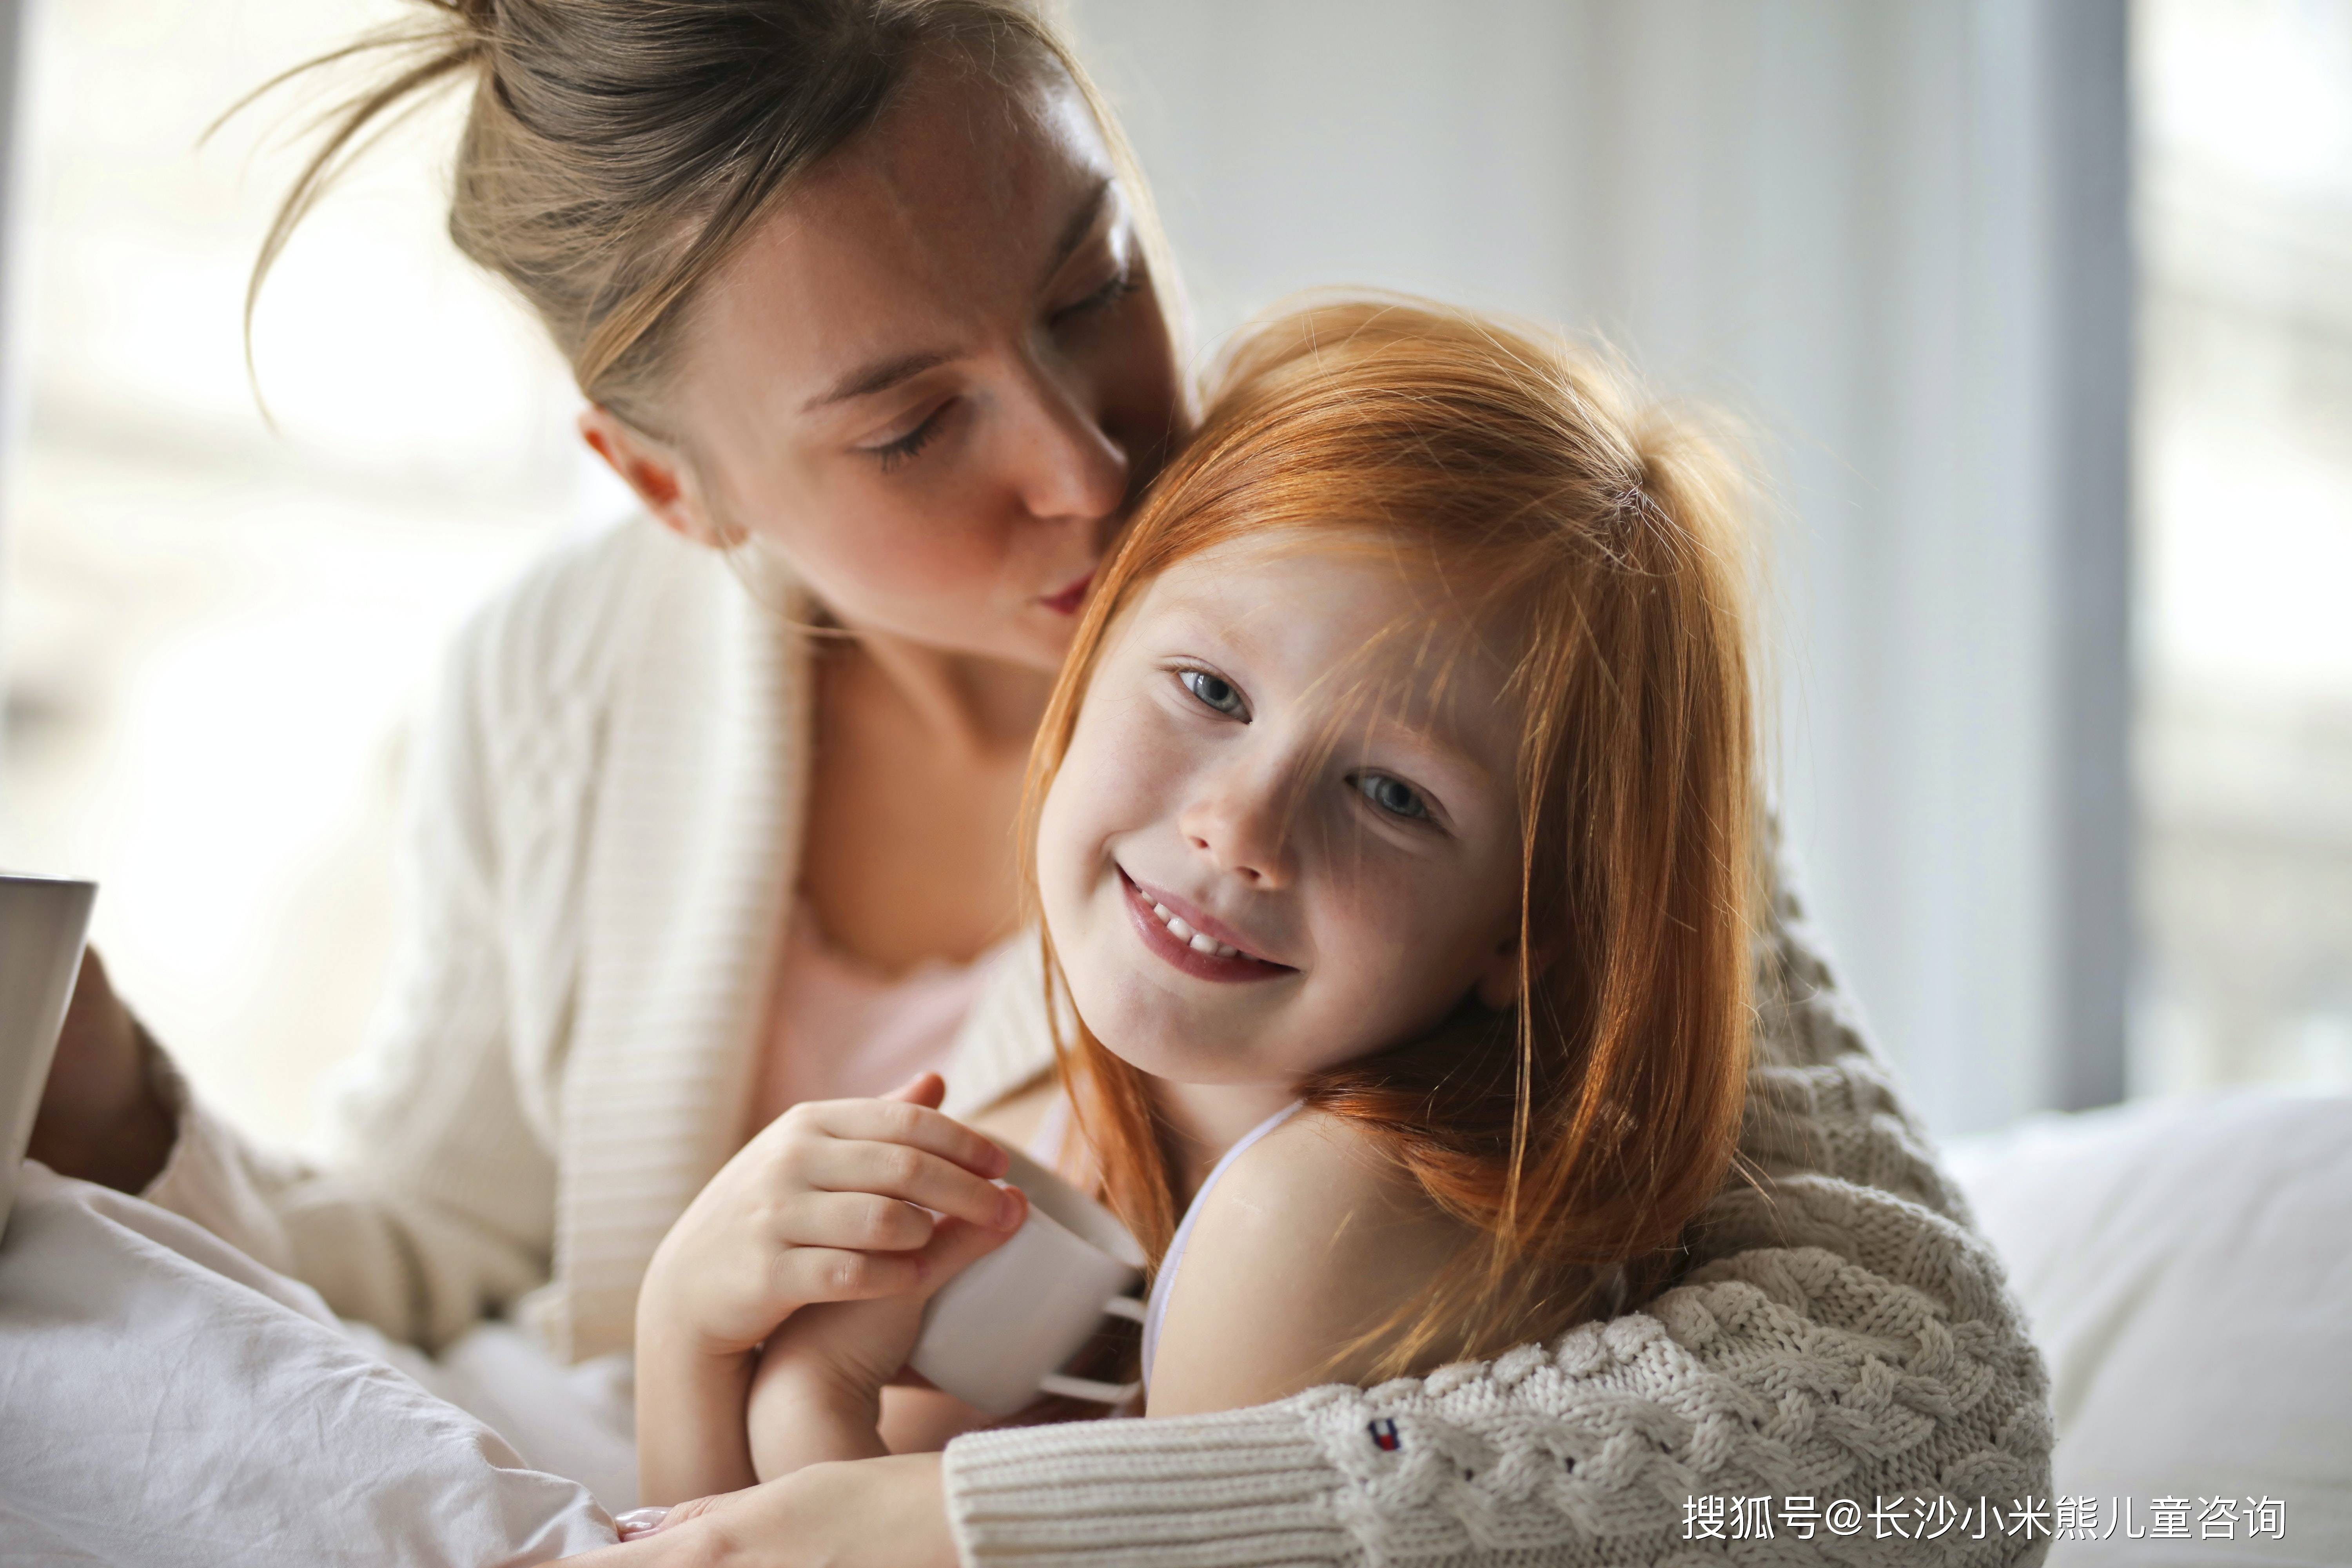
1067	601
1223	962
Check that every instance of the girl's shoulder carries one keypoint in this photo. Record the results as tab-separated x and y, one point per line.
1315	1166
1300	1262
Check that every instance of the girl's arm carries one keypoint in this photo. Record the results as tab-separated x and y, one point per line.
1300	1262
818	1395
821	1391
832	1202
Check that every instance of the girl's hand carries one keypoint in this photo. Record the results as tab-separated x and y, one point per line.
867	1513
817	1395
826	1204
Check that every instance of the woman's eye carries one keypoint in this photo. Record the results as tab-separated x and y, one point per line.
1118	287
891	454
1212	691
1394	796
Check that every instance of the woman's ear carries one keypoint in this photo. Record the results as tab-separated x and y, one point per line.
660	477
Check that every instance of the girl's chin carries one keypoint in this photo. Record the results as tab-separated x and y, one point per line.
1150	1046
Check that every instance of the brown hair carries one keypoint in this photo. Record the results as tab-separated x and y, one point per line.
1582	1130
617	150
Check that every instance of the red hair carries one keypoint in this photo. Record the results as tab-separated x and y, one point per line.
1581	1131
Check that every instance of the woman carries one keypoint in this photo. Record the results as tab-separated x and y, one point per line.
864	298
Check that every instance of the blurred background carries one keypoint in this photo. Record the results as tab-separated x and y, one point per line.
2038	310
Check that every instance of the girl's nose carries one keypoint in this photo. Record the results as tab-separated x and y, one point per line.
1068	466
1241	825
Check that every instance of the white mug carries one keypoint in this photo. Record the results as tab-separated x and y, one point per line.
997	1335
43	923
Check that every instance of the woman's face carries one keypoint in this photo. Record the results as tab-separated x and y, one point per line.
1283	835
933	379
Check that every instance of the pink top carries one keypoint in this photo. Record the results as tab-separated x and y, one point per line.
841	1029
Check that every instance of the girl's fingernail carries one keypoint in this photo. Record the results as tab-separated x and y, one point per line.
640	1521
1010	1208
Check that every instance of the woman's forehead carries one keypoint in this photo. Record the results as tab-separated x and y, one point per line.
941	222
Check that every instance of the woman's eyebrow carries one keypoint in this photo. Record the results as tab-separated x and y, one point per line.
1081	224
880	375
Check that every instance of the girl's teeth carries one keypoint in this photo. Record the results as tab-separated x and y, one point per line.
1191	938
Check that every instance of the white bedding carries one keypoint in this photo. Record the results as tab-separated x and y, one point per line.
165	1400
2187	1266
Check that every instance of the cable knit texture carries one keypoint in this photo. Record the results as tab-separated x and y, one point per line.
606	820
1842	1333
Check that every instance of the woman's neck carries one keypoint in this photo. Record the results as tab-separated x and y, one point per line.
973	707
1207	1118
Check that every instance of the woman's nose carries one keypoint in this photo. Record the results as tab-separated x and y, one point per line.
1242	825
1068	464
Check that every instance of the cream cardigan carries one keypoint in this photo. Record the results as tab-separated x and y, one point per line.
606	809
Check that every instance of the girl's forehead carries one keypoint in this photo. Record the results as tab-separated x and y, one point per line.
1358	622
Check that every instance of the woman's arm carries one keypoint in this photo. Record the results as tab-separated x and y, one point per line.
436	1203
1844	1322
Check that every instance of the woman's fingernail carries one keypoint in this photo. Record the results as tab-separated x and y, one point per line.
1011	1208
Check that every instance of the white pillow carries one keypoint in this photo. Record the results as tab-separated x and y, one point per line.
165	1400
2187	1267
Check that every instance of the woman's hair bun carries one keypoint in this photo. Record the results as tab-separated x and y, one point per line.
476	20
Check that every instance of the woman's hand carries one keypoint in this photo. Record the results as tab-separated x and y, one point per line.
826	1204
101	1117
866	1514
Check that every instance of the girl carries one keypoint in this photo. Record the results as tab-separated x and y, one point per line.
1392	828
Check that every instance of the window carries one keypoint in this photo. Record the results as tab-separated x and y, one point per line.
2245	488
213	628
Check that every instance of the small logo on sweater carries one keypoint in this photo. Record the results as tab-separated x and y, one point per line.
1384	1436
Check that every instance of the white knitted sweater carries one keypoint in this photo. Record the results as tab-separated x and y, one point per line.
1843	1333
607	812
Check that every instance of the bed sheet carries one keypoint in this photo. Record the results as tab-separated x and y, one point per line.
165	1400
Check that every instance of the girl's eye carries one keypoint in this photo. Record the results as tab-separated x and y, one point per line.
1213	692
1394	796
892	454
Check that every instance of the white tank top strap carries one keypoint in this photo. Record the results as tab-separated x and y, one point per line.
1165	1280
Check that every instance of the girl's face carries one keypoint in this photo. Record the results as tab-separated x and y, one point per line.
1251	869
933	379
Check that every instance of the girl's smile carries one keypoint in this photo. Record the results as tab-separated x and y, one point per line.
1201	946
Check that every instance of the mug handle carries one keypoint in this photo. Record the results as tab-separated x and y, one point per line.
1088	1388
